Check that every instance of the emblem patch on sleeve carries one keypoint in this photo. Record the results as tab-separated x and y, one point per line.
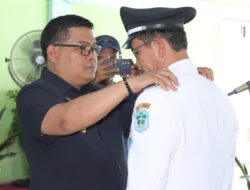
142	106
142	117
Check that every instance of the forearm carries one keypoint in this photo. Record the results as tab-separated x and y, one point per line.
89	109
82	112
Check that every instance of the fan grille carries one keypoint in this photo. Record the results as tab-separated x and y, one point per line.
26	60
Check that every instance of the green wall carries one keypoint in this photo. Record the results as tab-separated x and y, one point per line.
17	17
106	21
21	16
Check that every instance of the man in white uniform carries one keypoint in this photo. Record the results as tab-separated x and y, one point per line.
184	139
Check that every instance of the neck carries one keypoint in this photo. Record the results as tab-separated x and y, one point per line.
64	77
174	57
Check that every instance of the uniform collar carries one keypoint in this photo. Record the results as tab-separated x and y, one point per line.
184	66
62	85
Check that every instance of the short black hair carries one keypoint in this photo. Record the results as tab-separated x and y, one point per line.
177	39
57	30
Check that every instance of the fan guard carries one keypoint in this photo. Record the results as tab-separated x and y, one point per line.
26	60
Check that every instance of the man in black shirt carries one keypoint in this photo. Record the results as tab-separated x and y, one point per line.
72	131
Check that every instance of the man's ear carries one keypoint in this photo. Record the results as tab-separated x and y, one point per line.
52	53
161	46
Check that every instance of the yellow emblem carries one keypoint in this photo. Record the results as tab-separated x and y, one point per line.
142	105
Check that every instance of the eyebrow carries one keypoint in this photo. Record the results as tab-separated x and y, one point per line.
87	43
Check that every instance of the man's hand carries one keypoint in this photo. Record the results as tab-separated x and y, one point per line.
135	70
206	72
104	72
164	78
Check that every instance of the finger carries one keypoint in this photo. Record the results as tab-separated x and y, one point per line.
206	72
169	85
165	82
202	71
171	76
109	75
112	63
112	70
210	74
173	79
135	67
107	65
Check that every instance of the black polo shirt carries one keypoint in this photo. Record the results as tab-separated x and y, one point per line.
94	160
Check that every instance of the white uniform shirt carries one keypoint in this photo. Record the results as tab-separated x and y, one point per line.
183	140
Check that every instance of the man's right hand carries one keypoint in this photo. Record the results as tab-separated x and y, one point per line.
105	71
164	78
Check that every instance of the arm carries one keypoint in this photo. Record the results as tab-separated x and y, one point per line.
152	149
82	112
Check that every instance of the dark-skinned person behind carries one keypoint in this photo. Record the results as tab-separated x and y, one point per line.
72	131
105	68
182	139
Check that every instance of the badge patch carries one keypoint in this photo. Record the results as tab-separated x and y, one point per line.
141	120
142	106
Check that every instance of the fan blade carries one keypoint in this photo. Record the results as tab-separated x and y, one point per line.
33	75
26	60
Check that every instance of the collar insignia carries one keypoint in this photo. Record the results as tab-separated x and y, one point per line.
68	98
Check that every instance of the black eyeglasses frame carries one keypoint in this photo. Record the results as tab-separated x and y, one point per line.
95	48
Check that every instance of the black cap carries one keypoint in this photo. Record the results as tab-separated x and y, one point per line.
107	41
158	18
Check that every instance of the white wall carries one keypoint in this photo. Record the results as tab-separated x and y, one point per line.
214	45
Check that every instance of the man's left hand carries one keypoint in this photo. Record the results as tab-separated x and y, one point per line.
206	72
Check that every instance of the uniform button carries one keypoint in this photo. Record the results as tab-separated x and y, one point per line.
120	168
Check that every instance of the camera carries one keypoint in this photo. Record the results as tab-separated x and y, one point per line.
124	65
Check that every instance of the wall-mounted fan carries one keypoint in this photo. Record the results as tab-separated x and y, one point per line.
26	60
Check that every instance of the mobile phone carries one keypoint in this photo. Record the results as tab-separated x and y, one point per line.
124	65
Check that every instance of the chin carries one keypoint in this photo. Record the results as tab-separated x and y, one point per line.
90	78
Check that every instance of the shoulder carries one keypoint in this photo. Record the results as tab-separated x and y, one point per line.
154	93
157	101
153	100
97	86
37	88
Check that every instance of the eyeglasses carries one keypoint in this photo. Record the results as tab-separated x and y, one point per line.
135	50
85	49
103	57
